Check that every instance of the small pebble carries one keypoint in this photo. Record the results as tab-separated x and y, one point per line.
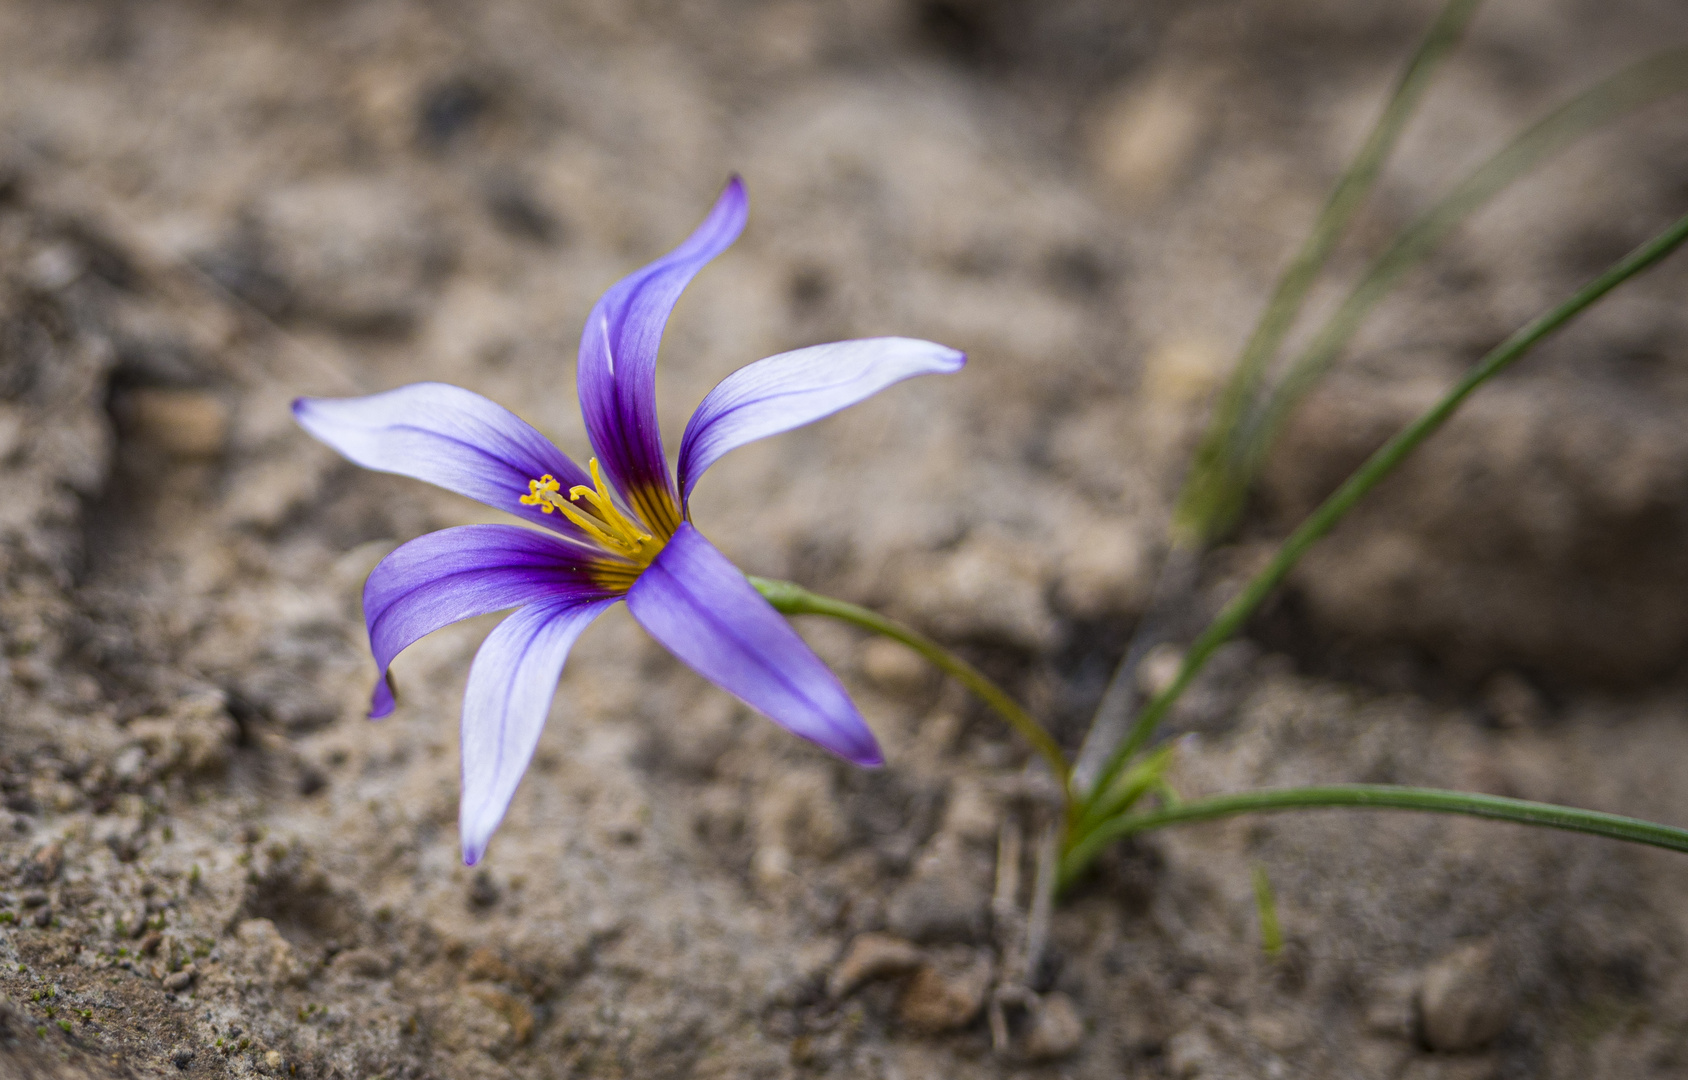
970	812
1467	998
44	865
1142	140
52	268
183	423
177	981
870	957
1056	1029
1158	668
945	899
937	1000
892	666
371	964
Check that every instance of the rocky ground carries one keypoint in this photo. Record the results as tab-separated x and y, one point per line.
211	864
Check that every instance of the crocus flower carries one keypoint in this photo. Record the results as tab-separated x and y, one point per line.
619	529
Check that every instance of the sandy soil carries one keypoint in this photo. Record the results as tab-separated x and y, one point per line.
211	864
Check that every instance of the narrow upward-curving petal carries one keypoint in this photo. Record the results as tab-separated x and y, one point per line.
454	574
617	373
701	608
448	436
798	387
511	684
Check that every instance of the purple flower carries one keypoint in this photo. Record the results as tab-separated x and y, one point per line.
618	530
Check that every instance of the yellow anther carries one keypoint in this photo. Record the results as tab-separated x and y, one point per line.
538	490
612	529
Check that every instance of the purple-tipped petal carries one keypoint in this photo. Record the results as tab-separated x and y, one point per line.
456	574
795	388
511	684
701	608
448	436
617	373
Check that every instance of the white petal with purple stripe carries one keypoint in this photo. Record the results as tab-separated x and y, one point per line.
798	387
511	684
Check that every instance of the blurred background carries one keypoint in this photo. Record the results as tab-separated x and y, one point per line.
211	864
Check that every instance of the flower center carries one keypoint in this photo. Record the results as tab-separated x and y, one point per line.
603	521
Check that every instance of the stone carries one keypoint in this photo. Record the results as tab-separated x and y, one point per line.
54	267
1144	138
944	997
1158	668
1056	1029
177	981
1105	569
1467	998
871	957
188	424
893	667
945	899
44	865
362	963
970	814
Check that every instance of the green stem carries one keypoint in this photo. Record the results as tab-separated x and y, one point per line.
1205	506
793	599
1640	84
1373	797
1230	620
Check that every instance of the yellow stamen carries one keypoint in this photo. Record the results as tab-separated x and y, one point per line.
612	529
538	490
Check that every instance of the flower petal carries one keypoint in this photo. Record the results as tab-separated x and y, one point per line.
617	373
795	388
704	611
456	574
511	684
448	436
